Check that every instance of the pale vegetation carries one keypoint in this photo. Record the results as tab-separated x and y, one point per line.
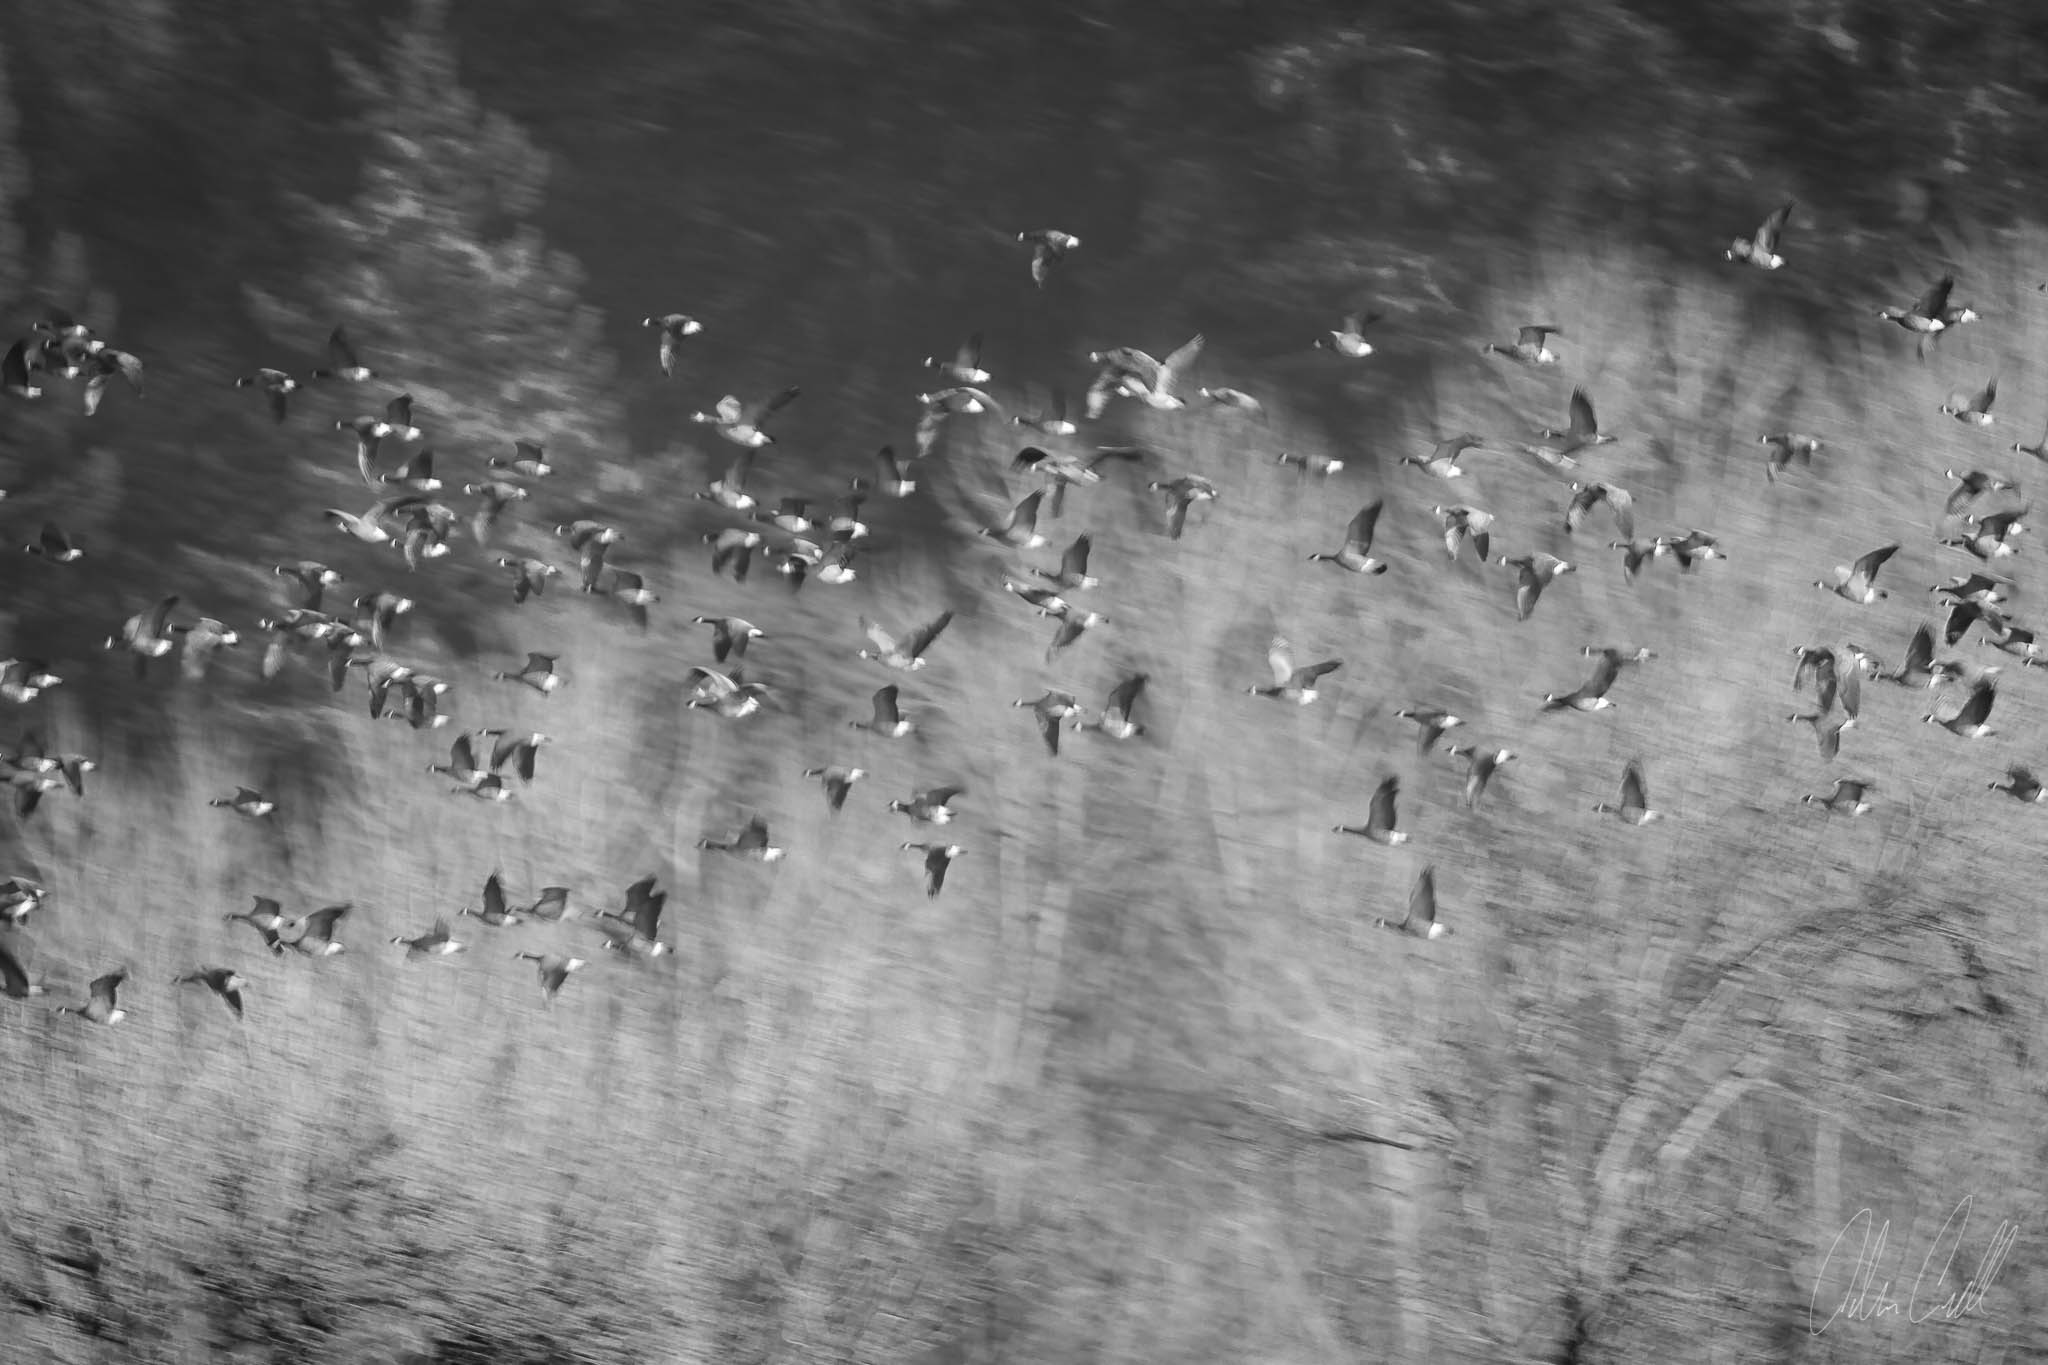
1145	1082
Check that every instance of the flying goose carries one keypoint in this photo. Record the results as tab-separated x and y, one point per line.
316	932
1694	547
1131	373
1380	816
1431	723
101	366
965	365
19	898
1925	315
1053	421
1325	465
1297	685
750	842
147	635
529	576
1020	529
1974	483
1349	340
539	673
1849	794
633	930
1050	710
1072	575
14	982
2021	785
1356	552
1534	573
1529	347
1916	669
1590	695
14	373
528	460
493	911
1581	432
732	548
729	636
1181	493
1853	583
552	968
1634	807
54	545
674	327
1972	408
23	680
1049	246
909	654
1760	248
933	806
1636	553
225	982
725	693
1970	718
1462	522
838	782
1586	496
1826	733
342	362
1481	764
435	942
267	918
744	425
888	721
1420	918
937	858
1072	625
1831	678
1116	718
100	1008
1442	459
246	802
1781	448
630	590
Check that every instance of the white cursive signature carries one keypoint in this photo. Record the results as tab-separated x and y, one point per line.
1864	1299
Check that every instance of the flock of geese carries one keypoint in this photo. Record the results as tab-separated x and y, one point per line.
410	514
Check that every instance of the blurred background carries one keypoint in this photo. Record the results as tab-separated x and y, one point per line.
1145	1081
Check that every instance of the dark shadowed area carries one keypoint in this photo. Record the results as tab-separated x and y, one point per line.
1148	1077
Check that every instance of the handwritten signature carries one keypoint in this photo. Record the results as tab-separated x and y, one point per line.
1864	1299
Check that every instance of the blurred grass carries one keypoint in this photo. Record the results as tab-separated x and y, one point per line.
1073	1107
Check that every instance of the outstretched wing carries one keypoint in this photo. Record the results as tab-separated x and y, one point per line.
929	632
1634	789
1280	658
1358	536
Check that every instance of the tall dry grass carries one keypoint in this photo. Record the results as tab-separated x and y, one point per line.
1083	1102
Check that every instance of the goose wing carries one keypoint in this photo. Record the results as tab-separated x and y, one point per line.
1381	816
927	633
104	987
1583	424
1634	787
1176	364
883	641
755	835
1767	234
158	621
494	896
1280	658
1074	563
1358	535
320	924
1604	674
886	715
1865	569
768	407
1422	901
1934	302
341	353
1977	709
1125	695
